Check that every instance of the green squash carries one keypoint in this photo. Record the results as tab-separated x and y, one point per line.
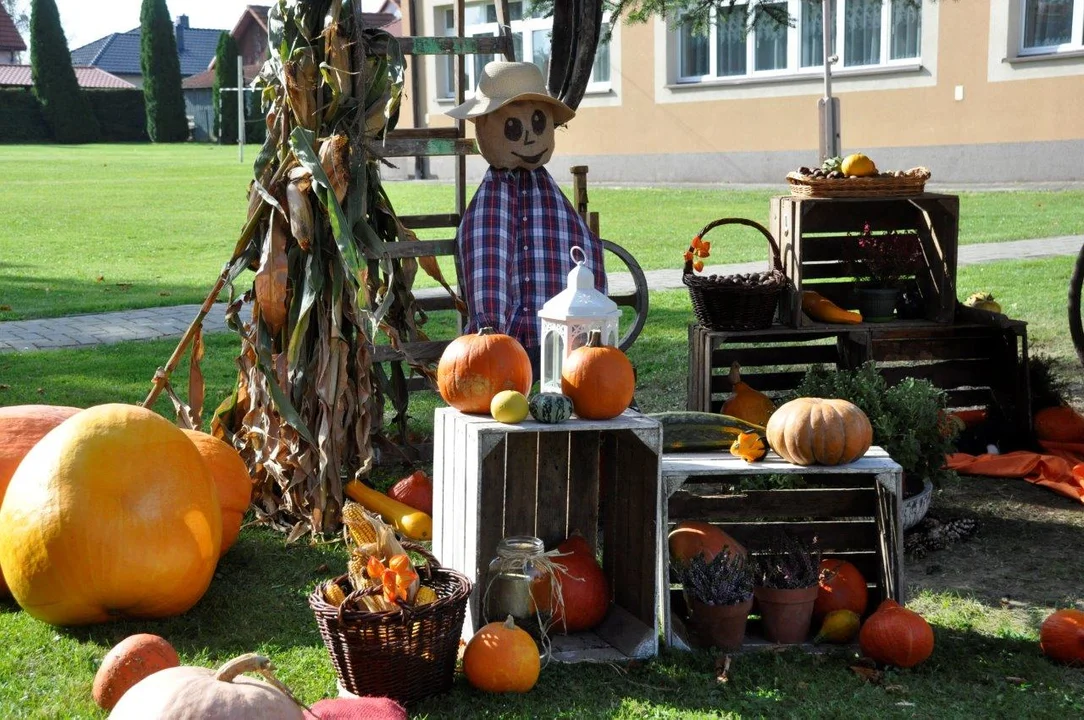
550	408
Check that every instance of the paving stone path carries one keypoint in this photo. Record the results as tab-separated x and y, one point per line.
77	331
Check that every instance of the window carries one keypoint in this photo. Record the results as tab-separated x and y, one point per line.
530	38
864	33
1051	26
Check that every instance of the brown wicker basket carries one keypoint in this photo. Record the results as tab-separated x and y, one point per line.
911	183
734	302
407	654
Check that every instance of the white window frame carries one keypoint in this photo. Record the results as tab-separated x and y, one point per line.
1075	44
794	50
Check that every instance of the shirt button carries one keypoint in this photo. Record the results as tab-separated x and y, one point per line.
524	218
525	248
527	280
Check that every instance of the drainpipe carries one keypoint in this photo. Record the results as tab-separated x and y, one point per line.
828	106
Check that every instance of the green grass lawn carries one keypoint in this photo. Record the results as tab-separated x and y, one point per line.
109	227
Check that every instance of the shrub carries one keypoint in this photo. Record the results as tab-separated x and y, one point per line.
166	121
21	120
121	114
63	104
255	118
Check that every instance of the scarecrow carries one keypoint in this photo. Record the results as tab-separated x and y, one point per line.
517	233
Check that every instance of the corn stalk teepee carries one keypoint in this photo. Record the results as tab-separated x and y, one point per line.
308	400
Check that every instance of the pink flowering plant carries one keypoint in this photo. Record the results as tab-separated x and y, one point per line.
882	261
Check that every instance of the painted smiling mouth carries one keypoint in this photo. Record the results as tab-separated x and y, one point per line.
530	158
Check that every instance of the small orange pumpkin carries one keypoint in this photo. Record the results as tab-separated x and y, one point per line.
502	658
232	480
132	659
748	404
474	368
1059	424
812	431
750	447
1061	637
894	635
599	379
841	587
694	537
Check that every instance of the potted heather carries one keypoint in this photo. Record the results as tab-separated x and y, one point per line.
880	265
719	595
787	575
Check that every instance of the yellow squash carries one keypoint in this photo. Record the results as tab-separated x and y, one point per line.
412	523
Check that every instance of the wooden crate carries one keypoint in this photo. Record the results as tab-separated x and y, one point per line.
492	480
853	510
812	233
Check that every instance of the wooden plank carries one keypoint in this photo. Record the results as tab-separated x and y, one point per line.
521	487
583	486
720	484
817	247
933	349
433	220
776	504
418	248
696	371
488	513
890	534
826	269
950	373
639	469
978	397
831	535
420	351
628	634
551	517
762	381
614	510
431	147
788	354
423	133
692	465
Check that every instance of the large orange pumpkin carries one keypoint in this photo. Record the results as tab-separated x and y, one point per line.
841	587
232	481
585	591
599	379
693	537
112	515
474	368
21	427
894	635
1061	636
132	659
1059	424
812	431
502	658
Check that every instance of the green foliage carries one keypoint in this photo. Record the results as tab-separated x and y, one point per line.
64	106
225	104
726	580
121	114
255	119
21	120
788	563
906	418
166	120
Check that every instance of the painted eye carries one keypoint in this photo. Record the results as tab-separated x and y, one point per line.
538	122
513	129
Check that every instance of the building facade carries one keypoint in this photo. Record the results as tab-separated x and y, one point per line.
986	91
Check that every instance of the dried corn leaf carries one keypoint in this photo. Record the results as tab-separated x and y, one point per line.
196	386
300	211
301	79
270	283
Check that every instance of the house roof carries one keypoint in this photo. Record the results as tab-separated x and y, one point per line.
10	39
119	52
252	14
206	79
87	77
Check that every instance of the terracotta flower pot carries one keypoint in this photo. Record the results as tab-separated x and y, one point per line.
721	626
786	614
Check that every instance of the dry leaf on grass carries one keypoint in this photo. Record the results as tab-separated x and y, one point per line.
5	308
868	674
722	669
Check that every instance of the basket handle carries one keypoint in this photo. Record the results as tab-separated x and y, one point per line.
431	562
772	244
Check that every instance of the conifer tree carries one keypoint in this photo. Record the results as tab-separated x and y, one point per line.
225	103
66	108
166	121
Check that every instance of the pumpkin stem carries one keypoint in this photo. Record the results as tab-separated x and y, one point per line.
735	374
487	331
594	339
253	662
510	624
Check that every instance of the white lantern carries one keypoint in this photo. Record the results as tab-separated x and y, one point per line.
569	317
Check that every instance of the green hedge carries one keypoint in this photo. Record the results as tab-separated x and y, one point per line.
21	120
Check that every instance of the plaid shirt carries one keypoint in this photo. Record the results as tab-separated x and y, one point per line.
514	244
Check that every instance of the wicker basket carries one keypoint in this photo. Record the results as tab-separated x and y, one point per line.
406	654
911	183
726	302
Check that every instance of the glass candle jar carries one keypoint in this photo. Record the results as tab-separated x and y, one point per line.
519	585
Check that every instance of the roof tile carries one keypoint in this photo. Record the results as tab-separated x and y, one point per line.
88	77
10	39
119	52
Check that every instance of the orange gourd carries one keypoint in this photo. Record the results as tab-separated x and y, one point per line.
746	403
415	490
750	447
894	635
112	515
814	431
1059	424
585	591
232	481
841	587
693	537
1061	636
502	658
599	379
132	659
821	308
474	368
21	427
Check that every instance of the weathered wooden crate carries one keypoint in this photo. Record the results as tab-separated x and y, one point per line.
812	233
492	480
853	510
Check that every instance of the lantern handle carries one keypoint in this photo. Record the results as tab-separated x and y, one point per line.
583	255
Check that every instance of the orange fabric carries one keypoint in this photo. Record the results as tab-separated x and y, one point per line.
1060	469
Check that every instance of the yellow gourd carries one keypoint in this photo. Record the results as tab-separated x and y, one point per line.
821	308
750	447
415	524
840	626
747	404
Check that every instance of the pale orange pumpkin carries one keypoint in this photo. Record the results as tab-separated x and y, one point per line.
502	658
695	537
111	515
1061	636
474	368
815	431
232	480
132	659
599	379
21	427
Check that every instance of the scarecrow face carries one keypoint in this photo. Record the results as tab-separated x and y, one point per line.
518	135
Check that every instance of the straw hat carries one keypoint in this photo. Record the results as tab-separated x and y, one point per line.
502	82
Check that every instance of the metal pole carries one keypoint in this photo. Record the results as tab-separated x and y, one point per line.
828	106
240	110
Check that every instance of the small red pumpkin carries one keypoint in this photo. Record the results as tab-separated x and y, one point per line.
474	368
132	659
1061	637
584	588
894	635
1059	424
415	490
841	587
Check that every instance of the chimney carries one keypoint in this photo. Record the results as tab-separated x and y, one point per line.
178	29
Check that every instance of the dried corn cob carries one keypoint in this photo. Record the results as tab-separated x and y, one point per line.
297	203
358	524
425	595
335	160
301	82
334	594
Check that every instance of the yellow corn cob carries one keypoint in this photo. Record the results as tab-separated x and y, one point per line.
358	525
425	595
334	594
